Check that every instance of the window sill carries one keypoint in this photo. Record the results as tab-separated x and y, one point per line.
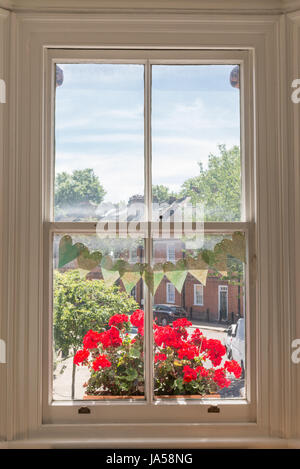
79	442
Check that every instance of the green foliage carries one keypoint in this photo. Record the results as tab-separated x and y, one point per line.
162	194
218	187
80	305
80	187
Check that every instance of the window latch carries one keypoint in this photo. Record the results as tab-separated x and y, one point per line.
84	410
213	409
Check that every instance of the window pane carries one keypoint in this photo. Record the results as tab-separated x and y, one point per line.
97	300
196	140
195	352
99	141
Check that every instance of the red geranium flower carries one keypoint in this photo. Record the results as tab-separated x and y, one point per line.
204	372
188	351
215	351
189	374
168	337
160	357
233	367
110	338
183	322
197	337
101	362
117	319
137	318
220	378
91	339
81	356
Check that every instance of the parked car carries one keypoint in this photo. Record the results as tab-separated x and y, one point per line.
133	332
228	339
166	314
238	345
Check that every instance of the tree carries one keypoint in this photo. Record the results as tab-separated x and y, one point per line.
218	187
162	194
80	305
81	188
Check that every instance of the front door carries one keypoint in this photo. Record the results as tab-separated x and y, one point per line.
223	302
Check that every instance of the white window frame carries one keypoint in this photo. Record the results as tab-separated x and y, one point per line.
196	286
253	39
170	249
169	296
60	411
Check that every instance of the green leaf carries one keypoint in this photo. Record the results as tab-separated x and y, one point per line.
134	352
131	374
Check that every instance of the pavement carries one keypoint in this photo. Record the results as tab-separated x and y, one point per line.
214	326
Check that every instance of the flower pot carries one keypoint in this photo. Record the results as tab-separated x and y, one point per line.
175	396
189	396
109	398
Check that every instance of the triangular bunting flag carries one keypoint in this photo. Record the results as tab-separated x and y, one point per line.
148	278
200	275
83	273
177	277
130	279
223	273
157	278
109	276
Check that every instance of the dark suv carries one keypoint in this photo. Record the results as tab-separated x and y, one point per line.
166	314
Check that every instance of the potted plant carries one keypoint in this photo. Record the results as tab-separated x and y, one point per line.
187	365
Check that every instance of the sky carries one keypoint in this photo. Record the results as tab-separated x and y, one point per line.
99	122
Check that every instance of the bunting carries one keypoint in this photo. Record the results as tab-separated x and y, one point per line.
176	273
130	279
200	275
177	277
67	251
157	278
109	276
88	261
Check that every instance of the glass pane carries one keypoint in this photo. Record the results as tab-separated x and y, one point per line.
199	324
196	140
98	296
99	141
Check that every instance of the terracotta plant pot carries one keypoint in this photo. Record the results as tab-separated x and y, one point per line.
187	396
190	396
110	398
